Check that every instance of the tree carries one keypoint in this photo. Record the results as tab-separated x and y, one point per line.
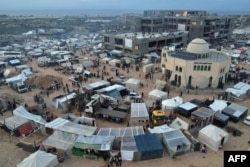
80	102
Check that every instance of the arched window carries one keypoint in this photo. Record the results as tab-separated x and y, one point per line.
198	68
176	68
180	69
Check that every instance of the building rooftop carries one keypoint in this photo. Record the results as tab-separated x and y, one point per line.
198	46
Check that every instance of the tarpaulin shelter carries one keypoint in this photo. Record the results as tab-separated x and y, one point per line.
176	143
39	159
128	148
205	115
157	94
149	147
169	104
235	112
179	124
139	113
133	83
212	136
186	109
121	132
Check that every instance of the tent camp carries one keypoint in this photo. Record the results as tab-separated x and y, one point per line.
22	112
157	94
133	84
128	148
179	124
139	113
121	132
170	104
149	147
176	143
39	159
212	136
96	143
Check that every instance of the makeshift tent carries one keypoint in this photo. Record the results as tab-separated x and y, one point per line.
60	140
220	119
139	113
133	83
121	132
114	62
157	94
160	85
236	92
96	143
203	114
128	148
179	124
149	147
176	143
18	126
39	159
218	105
62	100
170	104
235	112
186	109
22	112
160	129
212	136
243	86
148	68
70	127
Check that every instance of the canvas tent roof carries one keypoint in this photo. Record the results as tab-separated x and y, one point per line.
139	113
121	132
174	138
70	127
203	113
160	129
235	92
60	140
211	136
39	159
14	122
218	105
159	84
22	112
128	147
133	83
179	124
171	103
242	86
94	142
157	94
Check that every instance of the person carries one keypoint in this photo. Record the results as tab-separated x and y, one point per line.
204	148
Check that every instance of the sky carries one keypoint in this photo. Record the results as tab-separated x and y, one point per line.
214	5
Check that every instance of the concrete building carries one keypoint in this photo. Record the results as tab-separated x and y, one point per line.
197	66
199	24
139	43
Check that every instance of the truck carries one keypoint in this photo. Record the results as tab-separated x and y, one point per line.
158	117
20	87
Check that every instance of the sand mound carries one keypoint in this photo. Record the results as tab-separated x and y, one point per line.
43	80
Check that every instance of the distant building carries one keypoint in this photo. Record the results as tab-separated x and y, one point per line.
139	43
197	66
199	24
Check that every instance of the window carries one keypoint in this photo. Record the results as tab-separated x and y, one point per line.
163	65
163	54
205	68
209	68
194	67
198	68
180	69
201	68
176	68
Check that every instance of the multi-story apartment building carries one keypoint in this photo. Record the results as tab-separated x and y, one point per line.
199	24
141	43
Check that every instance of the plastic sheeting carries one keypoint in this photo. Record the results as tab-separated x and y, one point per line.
174	139
14	122
121	132
128	147
171	103
179	124
139	113
133	83
157	94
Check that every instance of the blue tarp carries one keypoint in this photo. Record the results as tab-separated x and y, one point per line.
149	146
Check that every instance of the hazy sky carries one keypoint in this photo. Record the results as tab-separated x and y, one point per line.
230	5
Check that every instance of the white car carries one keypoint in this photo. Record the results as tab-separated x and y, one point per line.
247	120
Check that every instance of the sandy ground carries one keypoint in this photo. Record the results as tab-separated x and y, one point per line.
12	155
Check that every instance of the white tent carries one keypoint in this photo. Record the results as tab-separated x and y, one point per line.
160	129
157	94
114	61
39	159
179	124
128	148
211	136
218	105
169	104
133	83
139	113
22	112
14	122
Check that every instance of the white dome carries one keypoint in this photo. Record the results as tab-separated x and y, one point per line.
198	46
